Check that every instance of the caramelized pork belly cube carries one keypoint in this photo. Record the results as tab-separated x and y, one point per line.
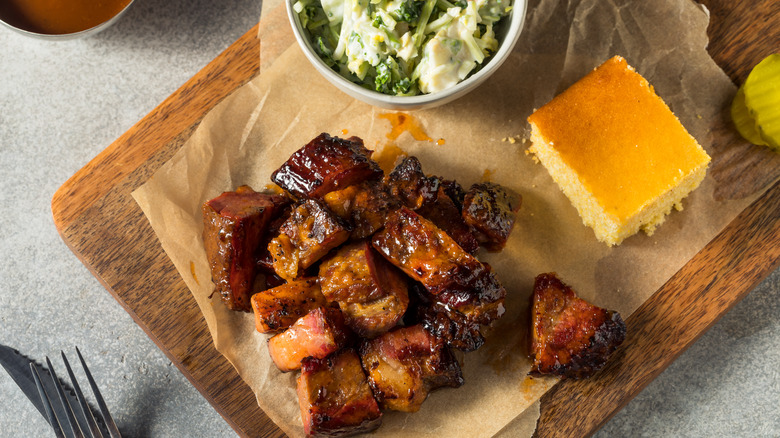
233	226
326	164
335	398
450	326
455	191
491	210
317	334
263	257
405	364
569	336
452	276
273	280
371	292
278	308
408	183
264	261
311	231
285	257
445	215
365	206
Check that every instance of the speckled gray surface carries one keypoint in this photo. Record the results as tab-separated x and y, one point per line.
61	103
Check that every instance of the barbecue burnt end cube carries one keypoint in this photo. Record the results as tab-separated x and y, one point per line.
452	276
365	206
405	364
372	293
491	209
335	397
234	224
278	308
455	191
317	334
311	232
450	326
569	336
444	213
325	164
408	182
263	258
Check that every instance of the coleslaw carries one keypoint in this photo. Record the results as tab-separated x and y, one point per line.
403	47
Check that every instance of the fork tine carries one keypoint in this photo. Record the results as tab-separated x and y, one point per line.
46	404
74	426
93	430
112	429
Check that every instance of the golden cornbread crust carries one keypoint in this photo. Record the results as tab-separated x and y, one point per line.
617	151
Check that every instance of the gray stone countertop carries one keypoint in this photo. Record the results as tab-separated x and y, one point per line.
61	103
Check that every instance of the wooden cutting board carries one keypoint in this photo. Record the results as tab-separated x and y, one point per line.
100	222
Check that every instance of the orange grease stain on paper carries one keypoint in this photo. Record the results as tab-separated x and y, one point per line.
487	175
344	132
192	271
526	384
401	123
388	156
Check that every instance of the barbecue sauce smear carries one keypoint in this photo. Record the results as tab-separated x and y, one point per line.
55	17
400	123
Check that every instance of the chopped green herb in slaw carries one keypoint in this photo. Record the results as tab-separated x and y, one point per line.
403	47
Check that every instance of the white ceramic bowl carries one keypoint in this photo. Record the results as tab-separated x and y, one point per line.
507	34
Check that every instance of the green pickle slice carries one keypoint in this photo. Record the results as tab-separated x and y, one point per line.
743	120
762	99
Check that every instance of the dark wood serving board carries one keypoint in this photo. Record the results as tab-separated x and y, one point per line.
102	224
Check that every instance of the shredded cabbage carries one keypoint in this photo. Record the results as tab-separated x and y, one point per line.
403	47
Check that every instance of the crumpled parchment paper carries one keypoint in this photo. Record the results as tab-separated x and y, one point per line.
256	128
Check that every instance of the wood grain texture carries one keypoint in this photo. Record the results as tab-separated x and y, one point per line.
742	33
95	203
181	111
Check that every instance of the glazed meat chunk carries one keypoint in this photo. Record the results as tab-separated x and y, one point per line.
452	276
335	398
445	214
318	334
311	231
278	308
455	191
569	336
428	195
405	364
365	206
491	210
233	226
450	326
326	164
371	292
442	322
408	183
264	259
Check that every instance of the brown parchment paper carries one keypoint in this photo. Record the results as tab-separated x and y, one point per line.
256	128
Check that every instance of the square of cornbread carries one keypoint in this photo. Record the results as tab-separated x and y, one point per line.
617	151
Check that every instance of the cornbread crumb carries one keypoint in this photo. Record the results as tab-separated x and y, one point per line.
531	154
617	152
